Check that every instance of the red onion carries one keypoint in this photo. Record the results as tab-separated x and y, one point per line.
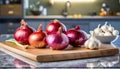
57	41
37	39
53	27
22	33
20	64
76	37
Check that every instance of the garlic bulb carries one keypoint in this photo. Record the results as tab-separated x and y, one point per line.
106	30
115	32
110	28
92	42
105	27
107	33
101	34
98	30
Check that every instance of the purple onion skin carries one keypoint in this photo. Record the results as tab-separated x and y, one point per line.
57	41
22	34
76	37
53	27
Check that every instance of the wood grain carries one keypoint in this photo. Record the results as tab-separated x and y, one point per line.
46	54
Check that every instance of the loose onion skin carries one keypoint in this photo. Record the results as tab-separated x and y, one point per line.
53	27
76	37
37	39
57	41
22	33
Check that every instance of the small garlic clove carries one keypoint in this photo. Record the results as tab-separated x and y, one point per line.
105	27
115	32
110	28
97	30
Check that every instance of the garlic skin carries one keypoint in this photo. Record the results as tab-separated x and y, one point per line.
92	43
110	28
107	33
86	44
105	27
101	34
98	30
115	32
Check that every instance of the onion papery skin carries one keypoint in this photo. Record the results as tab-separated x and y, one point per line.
57	41
37	39
22	34
54	25
76	37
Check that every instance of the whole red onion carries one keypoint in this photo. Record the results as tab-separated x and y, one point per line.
57	41
37	39
22	33
53	27
76	37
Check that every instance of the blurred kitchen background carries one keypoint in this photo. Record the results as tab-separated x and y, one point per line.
86	13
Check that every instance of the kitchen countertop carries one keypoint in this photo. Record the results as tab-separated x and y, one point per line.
71	17
10	59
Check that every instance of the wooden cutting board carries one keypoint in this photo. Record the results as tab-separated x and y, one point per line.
47	54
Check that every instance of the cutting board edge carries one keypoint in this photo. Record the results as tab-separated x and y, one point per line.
19	51
53	58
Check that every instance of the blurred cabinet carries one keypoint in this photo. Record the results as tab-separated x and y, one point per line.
8	27
11	10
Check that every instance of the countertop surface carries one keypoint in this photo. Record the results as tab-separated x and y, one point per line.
10	59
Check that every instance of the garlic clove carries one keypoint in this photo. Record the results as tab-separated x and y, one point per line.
97	30
115	32
105	27
110	28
